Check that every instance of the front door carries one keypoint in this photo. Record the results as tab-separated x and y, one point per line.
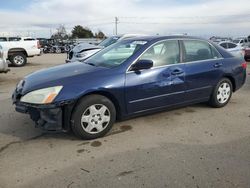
160	86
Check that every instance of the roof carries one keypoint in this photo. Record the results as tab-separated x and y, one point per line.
157	37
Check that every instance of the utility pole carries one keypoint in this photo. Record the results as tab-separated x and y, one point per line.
116	23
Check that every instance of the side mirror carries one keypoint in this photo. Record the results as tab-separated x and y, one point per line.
142	64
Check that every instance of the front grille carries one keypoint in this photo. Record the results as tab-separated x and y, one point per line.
71	54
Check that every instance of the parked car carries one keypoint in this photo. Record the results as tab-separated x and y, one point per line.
132	77
17	49
242	41
84	50
236	50
3	63
220	39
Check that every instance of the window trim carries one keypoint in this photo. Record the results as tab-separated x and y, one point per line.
180	41
163	41
128	69
210	46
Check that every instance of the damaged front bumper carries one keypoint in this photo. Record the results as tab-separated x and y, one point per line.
49	117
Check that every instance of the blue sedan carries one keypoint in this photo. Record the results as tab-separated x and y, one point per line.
130	78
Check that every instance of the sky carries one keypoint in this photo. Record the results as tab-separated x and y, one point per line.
203	18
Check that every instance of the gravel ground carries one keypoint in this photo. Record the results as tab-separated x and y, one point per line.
195	146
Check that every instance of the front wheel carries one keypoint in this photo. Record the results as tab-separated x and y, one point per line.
222	93
18	59
93	117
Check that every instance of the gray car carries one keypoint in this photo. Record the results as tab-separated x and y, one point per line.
3	63
84	50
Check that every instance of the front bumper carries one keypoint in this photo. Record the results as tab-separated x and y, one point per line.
49	117
4	66
68	61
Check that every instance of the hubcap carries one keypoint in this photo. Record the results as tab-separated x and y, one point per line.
223	93
95	118
18	59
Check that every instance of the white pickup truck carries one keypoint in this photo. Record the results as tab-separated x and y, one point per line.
17	49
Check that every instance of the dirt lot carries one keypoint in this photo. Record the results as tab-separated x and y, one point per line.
196	146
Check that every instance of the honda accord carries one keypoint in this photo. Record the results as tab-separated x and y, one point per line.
132	77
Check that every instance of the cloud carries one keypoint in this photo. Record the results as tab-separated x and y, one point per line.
196	17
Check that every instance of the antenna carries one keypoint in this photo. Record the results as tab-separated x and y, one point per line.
116	23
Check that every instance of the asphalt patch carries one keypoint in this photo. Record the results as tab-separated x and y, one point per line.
125	173
122	129
190	110
96	144
80	150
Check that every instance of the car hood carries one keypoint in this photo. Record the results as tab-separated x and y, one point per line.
58	75
85	46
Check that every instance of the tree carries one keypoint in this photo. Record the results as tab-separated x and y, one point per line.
100	35
81	32
61	33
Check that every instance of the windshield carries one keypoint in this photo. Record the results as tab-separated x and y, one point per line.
116	54
109	41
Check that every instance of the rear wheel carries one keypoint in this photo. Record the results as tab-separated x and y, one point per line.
222	93
18	59
93	117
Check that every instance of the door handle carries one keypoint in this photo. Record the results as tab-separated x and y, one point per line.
217	65
177	72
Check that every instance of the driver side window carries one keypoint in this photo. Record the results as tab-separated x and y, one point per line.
163	53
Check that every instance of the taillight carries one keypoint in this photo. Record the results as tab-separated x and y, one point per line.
243	52
38	44
244	65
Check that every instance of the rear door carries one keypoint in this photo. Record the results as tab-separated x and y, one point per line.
203	68
160	86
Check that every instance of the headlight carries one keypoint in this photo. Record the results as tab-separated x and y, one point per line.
42	96
20	84
80	55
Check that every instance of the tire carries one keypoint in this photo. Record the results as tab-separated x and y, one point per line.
222	93
93	117
18	59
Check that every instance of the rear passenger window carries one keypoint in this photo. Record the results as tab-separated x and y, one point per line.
195	50
163	53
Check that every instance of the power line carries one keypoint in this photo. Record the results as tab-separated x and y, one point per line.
185	17
188	23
